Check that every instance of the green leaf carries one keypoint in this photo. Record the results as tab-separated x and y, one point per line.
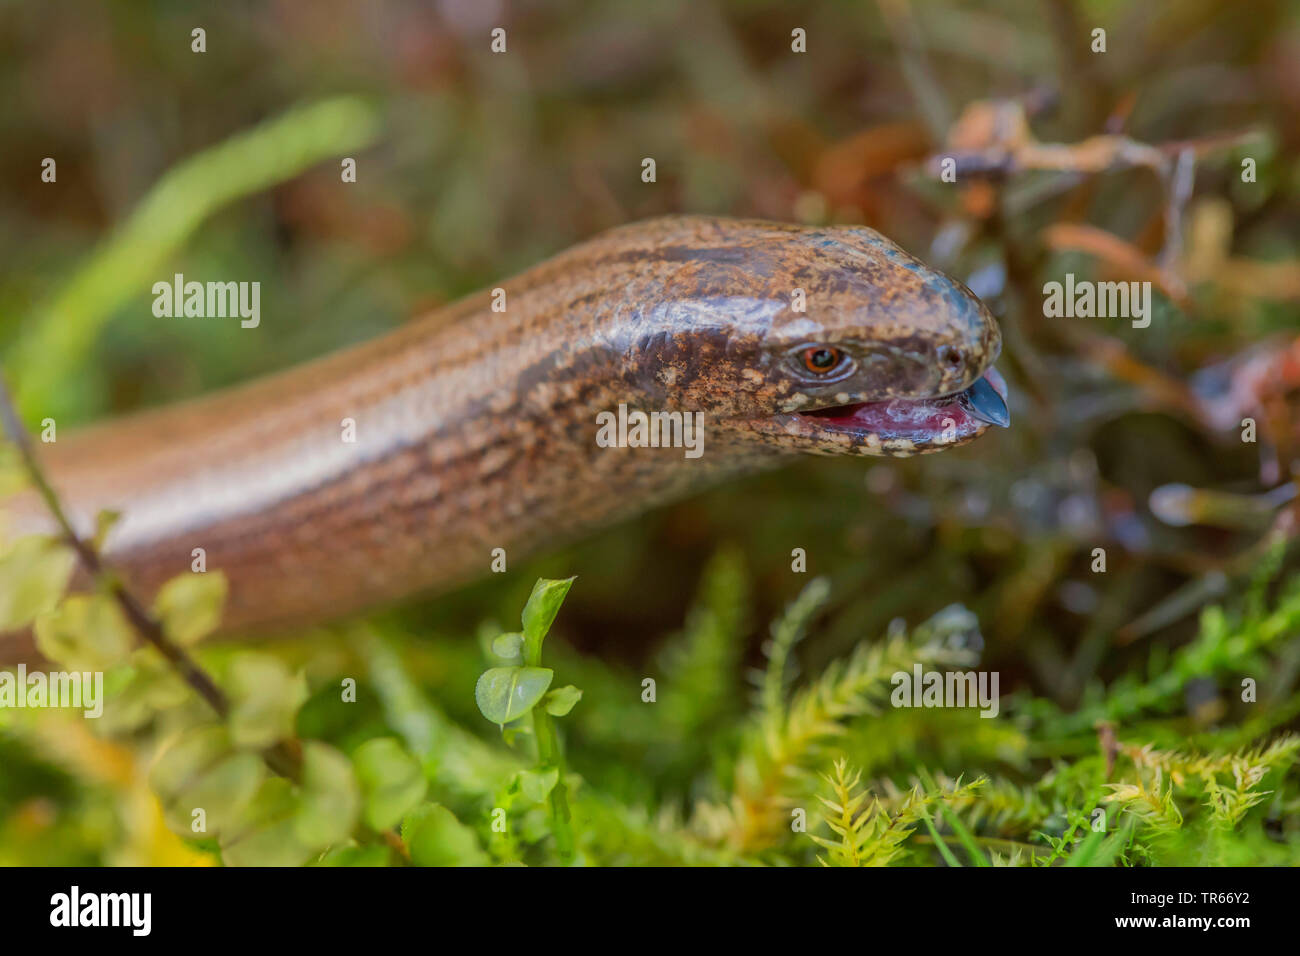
1099	848
264	697
561	700
199	769
537	785
977	855
391	781
222	791
287	826
150	686
1088	849
104	522
543	604
948	856
34	572
267	835
376	855
508	647
959	829
63	329
504	694
85	632
189	605
185	757
330	799
436	838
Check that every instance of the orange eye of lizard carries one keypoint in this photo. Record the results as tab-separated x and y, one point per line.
820	359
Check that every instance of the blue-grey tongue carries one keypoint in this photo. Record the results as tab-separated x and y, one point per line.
982	401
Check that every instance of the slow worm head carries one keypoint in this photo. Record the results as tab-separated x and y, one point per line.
475	428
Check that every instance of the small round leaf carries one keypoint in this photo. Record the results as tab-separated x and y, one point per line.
561	700
505	694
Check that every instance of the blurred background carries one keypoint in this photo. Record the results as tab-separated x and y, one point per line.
1122	164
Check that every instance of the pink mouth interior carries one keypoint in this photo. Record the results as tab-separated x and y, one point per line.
910	418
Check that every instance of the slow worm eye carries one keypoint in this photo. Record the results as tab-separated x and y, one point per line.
820	359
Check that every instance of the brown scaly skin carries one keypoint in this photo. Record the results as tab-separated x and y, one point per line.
476	429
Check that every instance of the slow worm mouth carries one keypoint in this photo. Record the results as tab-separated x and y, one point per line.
922	422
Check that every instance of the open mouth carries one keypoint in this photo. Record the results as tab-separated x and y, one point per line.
920	423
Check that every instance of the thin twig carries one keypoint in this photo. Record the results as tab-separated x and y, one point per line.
140	619
283	758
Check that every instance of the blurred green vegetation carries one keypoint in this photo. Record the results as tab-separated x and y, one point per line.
472	166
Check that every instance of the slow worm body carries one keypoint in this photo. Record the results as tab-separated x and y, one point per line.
475	429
